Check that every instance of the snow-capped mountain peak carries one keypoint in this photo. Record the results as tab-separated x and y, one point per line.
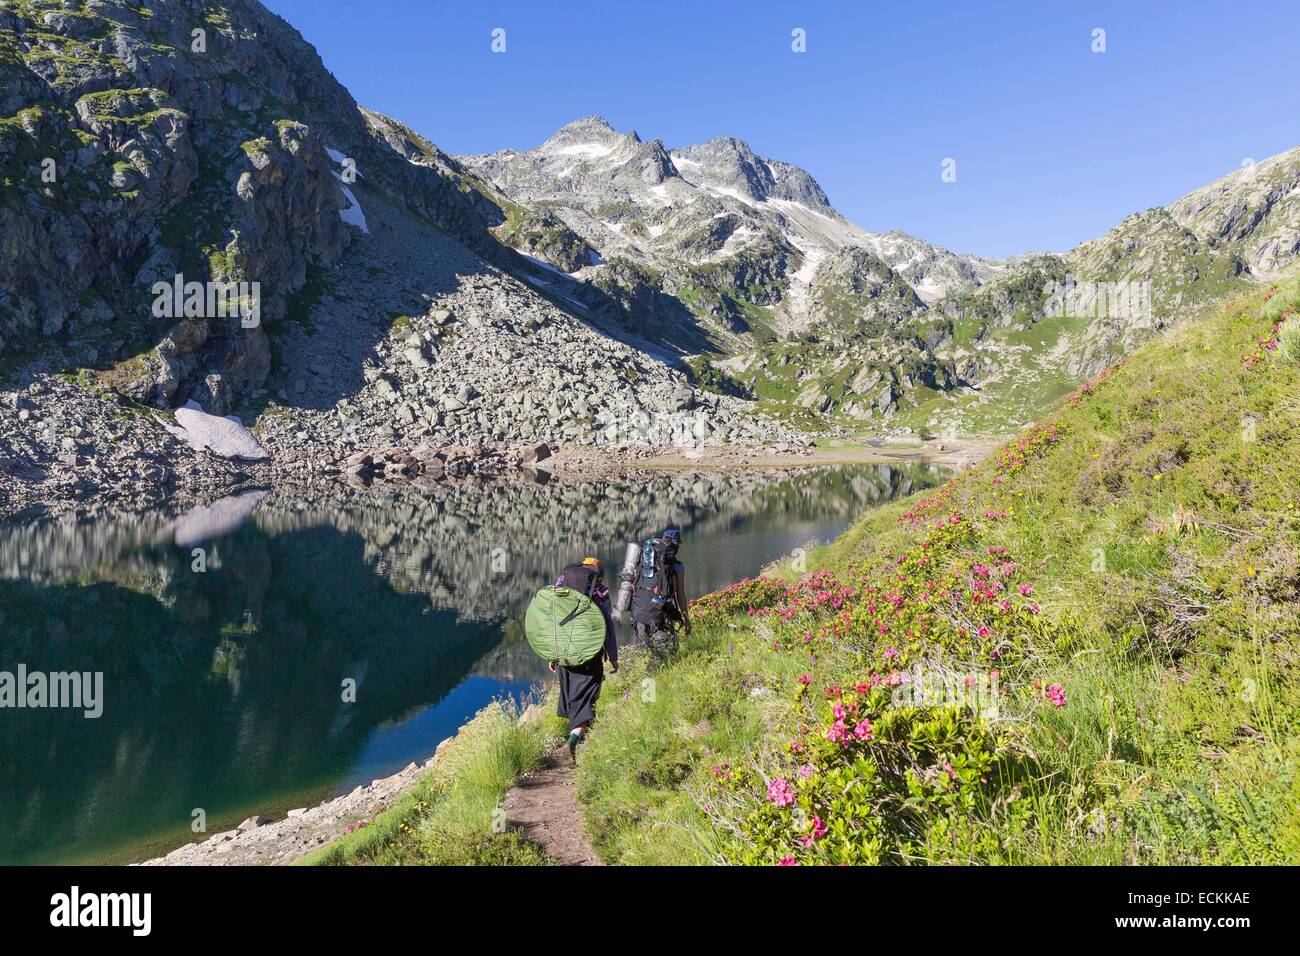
760	224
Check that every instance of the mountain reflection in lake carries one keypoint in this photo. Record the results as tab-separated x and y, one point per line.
222	689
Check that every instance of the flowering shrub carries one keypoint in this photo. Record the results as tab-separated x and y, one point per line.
1036	441
1087	388
945	596
742	597
927	507
877	770
868	782
882	768
1264	347
1056	695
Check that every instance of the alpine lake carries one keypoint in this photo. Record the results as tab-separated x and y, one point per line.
227	636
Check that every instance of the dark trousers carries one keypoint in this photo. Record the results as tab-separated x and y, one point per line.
661	639
579	688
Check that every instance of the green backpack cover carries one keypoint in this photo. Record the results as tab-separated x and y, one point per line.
564	625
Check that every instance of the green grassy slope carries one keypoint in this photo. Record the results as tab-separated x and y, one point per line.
1081	651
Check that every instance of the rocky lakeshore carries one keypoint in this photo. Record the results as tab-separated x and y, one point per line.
68	447
260	841
64	447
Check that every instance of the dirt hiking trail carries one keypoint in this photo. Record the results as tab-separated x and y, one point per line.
543	806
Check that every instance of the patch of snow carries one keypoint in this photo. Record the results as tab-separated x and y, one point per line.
353	215
585	149
820	227
226	437
543	263
735	242
800	292
734	194
339	158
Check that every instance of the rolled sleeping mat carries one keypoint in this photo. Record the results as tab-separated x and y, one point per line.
627	579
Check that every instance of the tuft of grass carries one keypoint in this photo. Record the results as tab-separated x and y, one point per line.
1288	341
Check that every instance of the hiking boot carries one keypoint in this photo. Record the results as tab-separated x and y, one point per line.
574	740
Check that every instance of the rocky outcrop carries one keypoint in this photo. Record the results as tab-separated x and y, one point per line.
67	441
471	354
137	149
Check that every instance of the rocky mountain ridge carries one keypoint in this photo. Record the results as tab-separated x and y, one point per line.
797	304
742	242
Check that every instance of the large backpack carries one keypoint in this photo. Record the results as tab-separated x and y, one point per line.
655	594
563	623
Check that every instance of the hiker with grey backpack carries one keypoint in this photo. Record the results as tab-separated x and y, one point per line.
653	588
570	626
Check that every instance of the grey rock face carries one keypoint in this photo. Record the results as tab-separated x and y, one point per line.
136	146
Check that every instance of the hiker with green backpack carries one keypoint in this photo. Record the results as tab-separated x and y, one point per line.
569	625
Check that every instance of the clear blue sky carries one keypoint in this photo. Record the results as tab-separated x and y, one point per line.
1054	143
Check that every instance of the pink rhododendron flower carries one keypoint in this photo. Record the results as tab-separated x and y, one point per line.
787	861
863	730
839	733
806	771
780	792
1056	694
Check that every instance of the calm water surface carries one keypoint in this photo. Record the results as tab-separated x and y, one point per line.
222	689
